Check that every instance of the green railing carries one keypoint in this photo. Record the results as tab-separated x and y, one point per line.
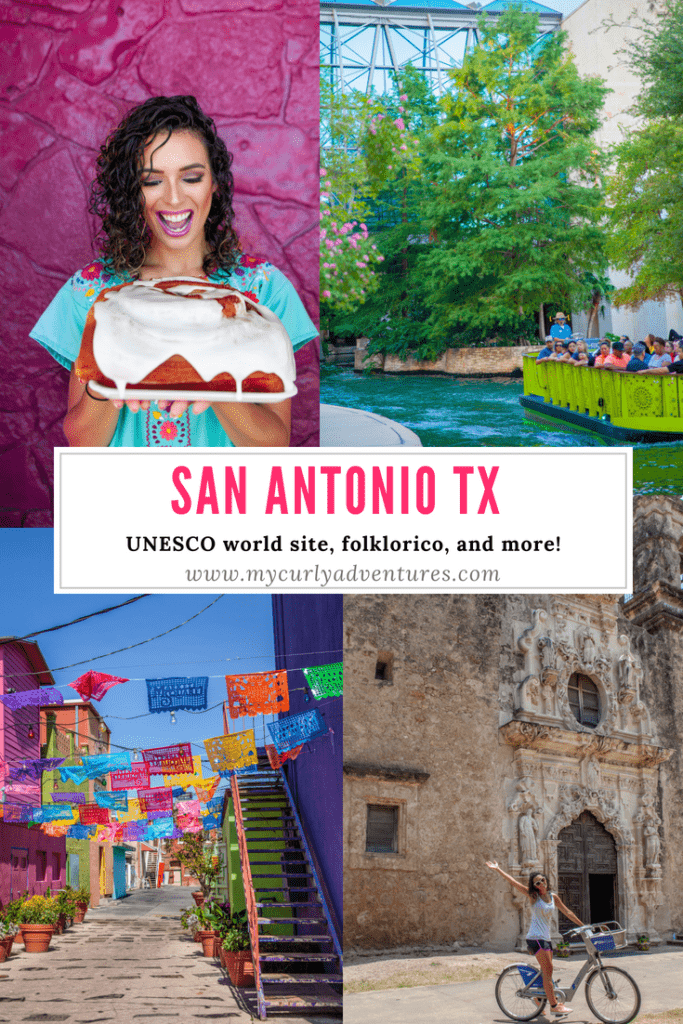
625	399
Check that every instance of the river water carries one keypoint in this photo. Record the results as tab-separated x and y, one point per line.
470	412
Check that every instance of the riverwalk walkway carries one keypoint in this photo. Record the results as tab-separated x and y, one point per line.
130	961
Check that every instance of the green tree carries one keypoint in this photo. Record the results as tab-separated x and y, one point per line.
644	196
516	185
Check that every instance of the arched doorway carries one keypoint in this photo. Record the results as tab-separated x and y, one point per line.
587	871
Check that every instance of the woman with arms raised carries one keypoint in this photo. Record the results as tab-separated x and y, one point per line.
164	194
543	904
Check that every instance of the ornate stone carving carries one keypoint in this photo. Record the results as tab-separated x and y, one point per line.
528	834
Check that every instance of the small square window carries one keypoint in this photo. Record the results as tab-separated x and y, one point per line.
384	668
382	829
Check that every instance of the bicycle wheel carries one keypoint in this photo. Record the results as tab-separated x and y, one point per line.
514	1006
612	995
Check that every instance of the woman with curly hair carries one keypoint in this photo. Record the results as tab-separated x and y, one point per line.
164	193
544	902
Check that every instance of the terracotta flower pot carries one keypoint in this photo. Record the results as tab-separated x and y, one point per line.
6	947
207	939
198	897
240	968
36	937
196	937
82	909
221	952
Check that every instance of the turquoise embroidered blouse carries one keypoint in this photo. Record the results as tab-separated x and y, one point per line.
60	328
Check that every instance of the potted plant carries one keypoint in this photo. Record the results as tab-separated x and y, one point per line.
190	921
643	942
82	902
562	949
237	950
205	933
38	918
8	929
201	863
66	901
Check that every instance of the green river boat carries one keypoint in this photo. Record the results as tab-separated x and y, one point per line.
618	406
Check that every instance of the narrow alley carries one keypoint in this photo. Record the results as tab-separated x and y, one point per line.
129	960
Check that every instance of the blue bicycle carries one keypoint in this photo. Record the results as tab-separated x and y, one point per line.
611	993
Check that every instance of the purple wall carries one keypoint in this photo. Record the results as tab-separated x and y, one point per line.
75	67
308	631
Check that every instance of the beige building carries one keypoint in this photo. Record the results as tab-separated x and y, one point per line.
598	34
540	731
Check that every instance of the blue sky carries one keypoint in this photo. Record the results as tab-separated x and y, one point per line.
234	635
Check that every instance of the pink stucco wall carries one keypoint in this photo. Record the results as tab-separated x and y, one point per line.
75	67
29	859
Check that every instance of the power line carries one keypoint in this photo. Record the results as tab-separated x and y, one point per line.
82	618
98	657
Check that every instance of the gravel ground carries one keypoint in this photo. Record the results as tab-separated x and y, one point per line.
373	970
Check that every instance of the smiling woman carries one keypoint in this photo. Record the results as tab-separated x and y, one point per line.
164	193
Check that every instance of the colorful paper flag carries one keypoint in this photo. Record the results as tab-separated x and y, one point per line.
135	777
206	790
80	831
74	797
95	766
187	778
36	698
34	769
114	801
326	680
257	693
188	807
189	824
277	760
178	694
296	730
94	685
230	754
134	813
93	814
17	812
169	760
50	812
156	800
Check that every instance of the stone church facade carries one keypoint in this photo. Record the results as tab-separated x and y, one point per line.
541	731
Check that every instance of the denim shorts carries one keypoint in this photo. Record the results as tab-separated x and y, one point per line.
533	945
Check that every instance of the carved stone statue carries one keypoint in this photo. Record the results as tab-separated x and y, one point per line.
593	774
653	846
546	648
528	831
587	650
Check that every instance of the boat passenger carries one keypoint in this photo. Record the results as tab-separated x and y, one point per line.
649	342
616	360
602	354
637	360
660	356
665	363
582	357
560	328
570	354
628	347
546	351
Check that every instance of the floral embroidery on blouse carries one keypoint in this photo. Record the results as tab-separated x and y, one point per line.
165	431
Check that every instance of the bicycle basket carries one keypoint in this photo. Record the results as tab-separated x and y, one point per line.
608	941
528	973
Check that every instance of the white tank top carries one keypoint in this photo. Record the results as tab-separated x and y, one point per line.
541	919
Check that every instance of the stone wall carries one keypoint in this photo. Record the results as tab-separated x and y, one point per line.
460	362
468	729
74	68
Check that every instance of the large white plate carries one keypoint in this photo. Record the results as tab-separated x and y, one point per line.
168	395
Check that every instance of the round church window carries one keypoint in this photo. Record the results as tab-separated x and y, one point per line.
584	700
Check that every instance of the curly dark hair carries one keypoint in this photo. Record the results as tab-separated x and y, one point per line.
116	193
533	891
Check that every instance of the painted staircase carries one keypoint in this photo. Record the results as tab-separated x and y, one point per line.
296	951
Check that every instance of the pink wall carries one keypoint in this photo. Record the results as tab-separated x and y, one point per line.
43	862
26	854
15	745
75	67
